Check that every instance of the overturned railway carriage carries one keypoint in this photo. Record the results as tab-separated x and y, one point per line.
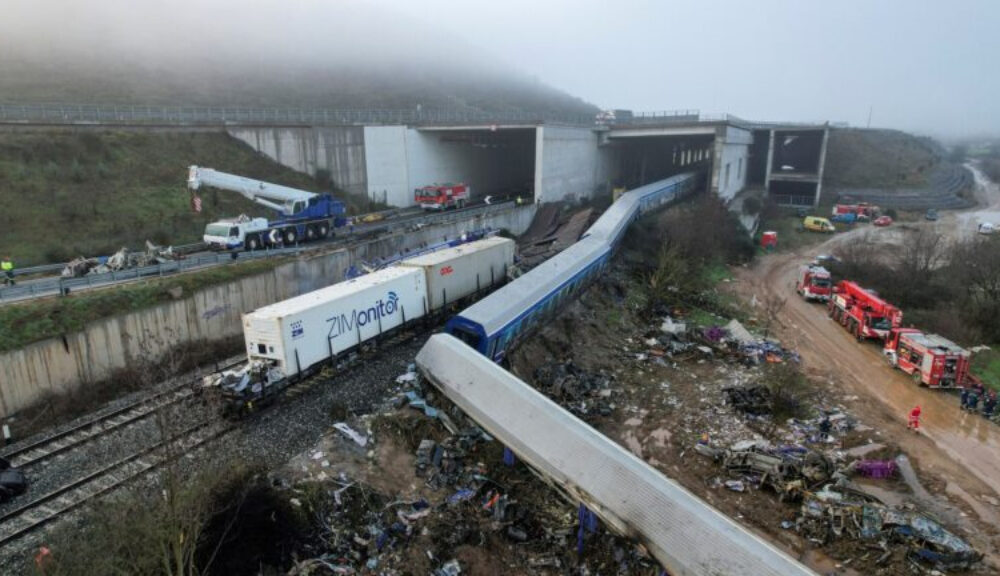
498	322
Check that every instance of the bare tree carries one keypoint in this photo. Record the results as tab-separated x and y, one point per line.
922	253
771	303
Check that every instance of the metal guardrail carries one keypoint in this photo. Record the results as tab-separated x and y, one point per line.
58	267
208	115
63	286
139	114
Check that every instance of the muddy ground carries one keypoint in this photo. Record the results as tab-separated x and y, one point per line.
663	406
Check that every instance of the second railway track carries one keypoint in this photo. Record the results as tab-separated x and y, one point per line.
46	448
45	509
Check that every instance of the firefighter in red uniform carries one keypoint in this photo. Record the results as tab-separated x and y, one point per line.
914	423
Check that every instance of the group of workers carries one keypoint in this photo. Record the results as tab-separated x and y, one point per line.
971	397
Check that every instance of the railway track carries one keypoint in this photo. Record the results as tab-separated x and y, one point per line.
49	507
85	432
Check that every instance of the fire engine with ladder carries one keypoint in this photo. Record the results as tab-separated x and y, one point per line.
863	313
929	359
441	197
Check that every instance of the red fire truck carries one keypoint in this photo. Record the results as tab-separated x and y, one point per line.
862	211
863	313
814	283
442	196
930	359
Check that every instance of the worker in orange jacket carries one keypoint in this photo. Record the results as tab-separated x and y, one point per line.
914	423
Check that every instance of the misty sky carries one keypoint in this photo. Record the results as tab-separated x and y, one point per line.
920	65
924	66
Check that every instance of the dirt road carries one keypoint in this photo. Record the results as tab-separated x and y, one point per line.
961	450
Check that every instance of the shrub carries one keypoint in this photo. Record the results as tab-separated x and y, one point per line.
752	205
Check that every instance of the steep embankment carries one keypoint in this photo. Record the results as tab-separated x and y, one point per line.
894	169
272	54
66	194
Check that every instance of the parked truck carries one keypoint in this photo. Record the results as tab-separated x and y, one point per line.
440	197
301	216
863	312
930	359
814	283
862	211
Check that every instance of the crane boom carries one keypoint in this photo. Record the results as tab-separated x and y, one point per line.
288	201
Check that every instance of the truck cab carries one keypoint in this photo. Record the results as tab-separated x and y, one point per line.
814	283
233	233
441	197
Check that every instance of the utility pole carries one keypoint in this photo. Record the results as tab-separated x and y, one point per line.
869	116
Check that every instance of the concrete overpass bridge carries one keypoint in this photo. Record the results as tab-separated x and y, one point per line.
385	154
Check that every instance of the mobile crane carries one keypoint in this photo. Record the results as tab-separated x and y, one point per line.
302	216
862	312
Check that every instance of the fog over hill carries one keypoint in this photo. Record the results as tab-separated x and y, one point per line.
309	53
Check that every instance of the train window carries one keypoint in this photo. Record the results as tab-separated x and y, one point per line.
469	338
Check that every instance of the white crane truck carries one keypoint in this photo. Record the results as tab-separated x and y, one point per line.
302	216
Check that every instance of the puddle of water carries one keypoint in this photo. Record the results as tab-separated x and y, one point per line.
910	477
985	512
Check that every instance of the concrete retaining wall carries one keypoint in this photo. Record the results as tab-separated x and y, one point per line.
569	163
340	150
62	364
732	157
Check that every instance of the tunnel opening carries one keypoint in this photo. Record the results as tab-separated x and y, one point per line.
799	194
494	162
757	169
797	151
641	160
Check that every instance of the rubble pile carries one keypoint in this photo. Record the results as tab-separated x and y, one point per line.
471	495
839	512
121	260
583	393
788	470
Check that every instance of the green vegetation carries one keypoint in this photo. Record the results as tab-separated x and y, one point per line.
858	158
986	365
682	256
66	194
30	322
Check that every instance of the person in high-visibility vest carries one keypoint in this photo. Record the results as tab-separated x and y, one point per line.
7	267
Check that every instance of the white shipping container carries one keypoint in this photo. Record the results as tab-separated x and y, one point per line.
455	273
302	331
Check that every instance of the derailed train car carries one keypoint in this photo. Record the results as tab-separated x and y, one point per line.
291	339
494	324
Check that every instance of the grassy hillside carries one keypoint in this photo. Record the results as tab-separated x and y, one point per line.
89	193
858	158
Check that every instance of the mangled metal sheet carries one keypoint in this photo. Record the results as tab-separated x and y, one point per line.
684	533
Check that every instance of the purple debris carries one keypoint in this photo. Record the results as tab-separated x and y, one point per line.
877	468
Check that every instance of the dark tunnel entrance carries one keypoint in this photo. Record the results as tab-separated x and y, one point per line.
644	159
797	151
